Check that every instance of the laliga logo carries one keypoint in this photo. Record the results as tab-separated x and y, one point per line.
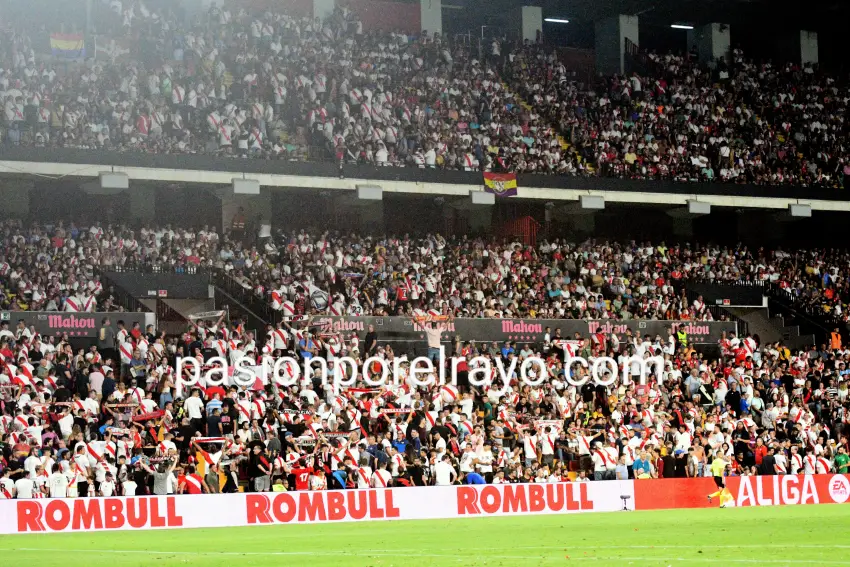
839	489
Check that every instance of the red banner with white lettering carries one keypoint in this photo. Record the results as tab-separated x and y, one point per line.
746	491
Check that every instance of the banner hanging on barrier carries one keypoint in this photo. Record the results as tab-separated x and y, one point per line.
421	503
241	509
771	490
77	325
522	330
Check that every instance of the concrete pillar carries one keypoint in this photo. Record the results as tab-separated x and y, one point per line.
808	47
372	217
431	16
323	8
481	219
611	36
582	223
710	41
531	18
15	198
683	227
142	202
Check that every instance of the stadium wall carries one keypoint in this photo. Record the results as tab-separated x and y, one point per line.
422	503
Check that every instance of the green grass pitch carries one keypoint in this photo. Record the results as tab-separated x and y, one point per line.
773	536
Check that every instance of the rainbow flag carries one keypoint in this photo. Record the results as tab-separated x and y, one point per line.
68	46
501	184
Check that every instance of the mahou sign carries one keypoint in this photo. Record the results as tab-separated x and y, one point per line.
78	325
422	503
405	329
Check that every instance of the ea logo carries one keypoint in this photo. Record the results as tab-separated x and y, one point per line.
839	489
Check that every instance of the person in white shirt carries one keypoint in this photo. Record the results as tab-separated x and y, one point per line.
24	488
30	463
7	485
444	472
529	443
194	407
600	462
439	446
381	478
107	487
467	460
547	446
781	463
484	463
57	483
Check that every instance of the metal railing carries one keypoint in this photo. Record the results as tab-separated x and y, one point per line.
719	313
812	319
259	308
169	319
190	269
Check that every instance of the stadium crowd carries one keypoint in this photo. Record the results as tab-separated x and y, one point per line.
268	85
112	420
54	267
738	121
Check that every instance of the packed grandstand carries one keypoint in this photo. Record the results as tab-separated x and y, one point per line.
96	422
114	418
271	85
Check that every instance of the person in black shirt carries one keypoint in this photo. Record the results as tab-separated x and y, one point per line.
183	436
788	382
417	473
229	404
370	343
195	346
64	373
442	430
108	385
227	423
768	463
80	421
523	406
81	383
62	394
214	423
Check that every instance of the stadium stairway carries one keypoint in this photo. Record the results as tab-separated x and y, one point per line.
120	296
172	315
813	325
772	328
758	312
242	303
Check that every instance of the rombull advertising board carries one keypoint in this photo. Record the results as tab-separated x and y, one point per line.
419	503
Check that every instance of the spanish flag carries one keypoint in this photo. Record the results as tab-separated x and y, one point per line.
68	46
501	184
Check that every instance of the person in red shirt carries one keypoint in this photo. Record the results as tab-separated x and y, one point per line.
302	477
760	451
192	483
